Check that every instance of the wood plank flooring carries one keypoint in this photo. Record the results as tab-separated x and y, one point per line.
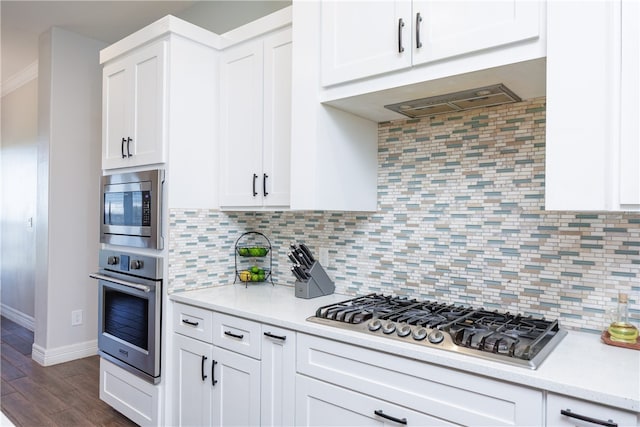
66	394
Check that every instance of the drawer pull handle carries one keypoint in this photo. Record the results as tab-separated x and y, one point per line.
231	334
379	413
204	377
189	322
214	381
278	337
568	413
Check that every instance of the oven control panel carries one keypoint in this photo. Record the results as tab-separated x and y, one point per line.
139	265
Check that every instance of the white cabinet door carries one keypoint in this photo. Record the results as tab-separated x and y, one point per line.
362	39
193	391
133	108
276	162
241	121
236	398
566	411
444	29
630	107
116	110
277	405
592	148
147	128
322	404
255	122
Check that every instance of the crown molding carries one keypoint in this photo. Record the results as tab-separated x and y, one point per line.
19	79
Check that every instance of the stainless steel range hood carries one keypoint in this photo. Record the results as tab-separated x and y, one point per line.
487	96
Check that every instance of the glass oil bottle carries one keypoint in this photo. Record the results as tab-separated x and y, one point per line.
621	330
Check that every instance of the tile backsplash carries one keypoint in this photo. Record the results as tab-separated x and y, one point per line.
460	219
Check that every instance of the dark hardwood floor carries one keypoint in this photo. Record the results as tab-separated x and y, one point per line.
66	394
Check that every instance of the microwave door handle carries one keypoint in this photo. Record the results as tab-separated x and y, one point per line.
120	282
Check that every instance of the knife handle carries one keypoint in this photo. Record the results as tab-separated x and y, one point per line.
307	252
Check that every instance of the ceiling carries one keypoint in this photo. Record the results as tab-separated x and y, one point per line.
23	21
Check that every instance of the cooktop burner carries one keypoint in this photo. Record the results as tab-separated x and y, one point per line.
510	338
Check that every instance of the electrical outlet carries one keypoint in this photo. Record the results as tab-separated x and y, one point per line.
324	257
76	317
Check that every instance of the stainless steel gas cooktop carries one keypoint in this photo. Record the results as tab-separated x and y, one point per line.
510	338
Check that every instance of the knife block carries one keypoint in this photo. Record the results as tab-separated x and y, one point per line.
317	285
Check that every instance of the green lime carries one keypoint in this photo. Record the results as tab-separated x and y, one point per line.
261	277
255	269
254	277
243	251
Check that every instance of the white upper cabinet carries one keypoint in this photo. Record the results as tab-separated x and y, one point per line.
593	99
630	107
443	29
365	39
160	106
255	121
133	108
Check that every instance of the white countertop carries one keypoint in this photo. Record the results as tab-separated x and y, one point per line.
580	366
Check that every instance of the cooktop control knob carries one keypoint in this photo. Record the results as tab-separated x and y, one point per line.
374	325
435	337
113	260
136	264
388	328
404	330
420	334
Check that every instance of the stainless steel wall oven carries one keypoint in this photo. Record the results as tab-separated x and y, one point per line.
129	311
131	209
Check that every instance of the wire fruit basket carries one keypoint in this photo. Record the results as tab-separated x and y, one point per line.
253	258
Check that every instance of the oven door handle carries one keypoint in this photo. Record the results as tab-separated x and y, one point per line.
120	282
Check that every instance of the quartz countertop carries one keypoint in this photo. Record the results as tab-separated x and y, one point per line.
580	366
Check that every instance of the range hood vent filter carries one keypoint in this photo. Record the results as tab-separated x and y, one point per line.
487	96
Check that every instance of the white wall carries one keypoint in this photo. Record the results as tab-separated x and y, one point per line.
221	16
69	144
18	170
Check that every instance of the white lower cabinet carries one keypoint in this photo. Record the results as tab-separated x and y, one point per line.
277	391
569	411
323	404
232	371
214	386
246	379
236	389
193	393
130	395
361	381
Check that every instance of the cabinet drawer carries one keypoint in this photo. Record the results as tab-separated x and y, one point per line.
435	391
236	334
320	403
576	410
193	322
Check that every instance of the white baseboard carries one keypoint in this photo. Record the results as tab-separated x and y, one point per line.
19	317
67	353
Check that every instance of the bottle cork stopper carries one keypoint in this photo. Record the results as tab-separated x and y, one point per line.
623	298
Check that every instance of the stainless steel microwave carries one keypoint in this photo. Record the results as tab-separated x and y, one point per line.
131	209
